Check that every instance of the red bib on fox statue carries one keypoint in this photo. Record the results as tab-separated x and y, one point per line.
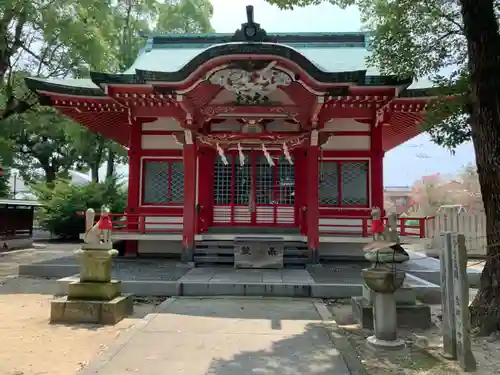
377	222
104	222
377	226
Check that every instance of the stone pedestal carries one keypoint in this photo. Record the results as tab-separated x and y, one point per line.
95	298
95	265
384	282
63	310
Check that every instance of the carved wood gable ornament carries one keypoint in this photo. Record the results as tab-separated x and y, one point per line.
251	86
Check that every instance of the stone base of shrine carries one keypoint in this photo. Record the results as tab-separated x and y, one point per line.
111	312
415	315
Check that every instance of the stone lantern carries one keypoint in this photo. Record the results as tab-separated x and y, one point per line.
384	279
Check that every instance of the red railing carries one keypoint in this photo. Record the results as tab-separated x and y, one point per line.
145	223
360	225
329	224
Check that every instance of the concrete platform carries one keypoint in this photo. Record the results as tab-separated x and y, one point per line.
420	266
226	336
408	316
167	277
429	269
214	281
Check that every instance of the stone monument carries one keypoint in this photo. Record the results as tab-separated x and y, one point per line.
95	298
252	252
455	302
384	253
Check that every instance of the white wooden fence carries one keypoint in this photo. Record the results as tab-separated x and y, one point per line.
471	225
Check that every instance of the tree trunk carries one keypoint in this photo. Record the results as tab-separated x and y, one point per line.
110	167
483	44
50	174
94	172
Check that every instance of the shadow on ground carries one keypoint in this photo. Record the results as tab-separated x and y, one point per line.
300	354
228	336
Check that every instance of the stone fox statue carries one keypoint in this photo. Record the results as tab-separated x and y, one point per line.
98	234
385	247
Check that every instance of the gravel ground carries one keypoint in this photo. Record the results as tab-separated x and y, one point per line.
421	355
32	346
64	254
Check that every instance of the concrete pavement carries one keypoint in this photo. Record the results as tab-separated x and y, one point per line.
225	336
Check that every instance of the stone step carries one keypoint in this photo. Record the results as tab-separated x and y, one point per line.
211	252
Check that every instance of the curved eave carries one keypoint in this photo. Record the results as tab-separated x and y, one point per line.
402	127
37	85
392	81
111	125
407	117
146	76
100	79
356	77
427	92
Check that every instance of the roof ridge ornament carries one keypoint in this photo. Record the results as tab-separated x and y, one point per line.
250	31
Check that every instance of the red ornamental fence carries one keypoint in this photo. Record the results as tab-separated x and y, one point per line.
329	225
360	226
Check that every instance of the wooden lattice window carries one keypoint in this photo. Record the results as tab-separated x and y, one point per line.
223	180
343	183
273	184
163	182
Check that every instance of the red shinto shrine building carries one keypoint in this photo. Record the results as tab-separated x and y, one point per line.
250	134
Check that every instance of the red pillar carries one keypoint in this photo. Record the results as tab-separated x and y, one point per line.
189	213
300	188
377	167
134	180
206	157
312	178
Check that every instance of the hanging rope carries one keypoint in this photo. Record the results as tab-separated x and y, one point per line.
241	155
221	154
268	156
287	154
321	167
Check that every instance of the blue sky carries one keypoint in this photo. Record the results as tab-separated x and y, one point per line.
403	165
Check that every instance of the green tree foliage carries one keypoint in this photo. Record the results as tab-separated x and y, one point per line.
64	39
50	39
63	200
457	44
4	183
419	39
42	148
185	16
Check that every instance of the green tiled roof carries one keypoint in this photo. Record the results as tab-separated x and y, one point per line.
328	59
327	56
329	52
